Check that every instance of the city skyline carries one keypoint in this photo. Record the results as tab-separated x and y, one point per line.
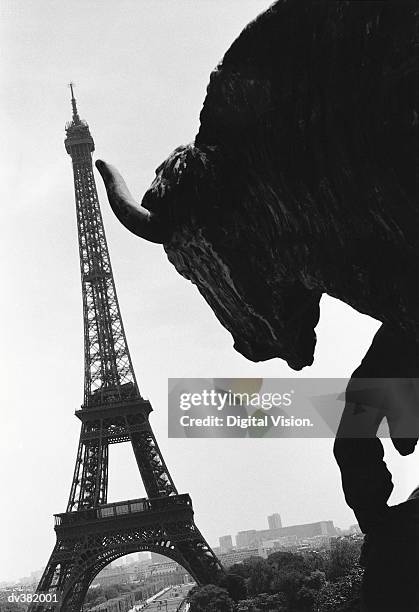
141	97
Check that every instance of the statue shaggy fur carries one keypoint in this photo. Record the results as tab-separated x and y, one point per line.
302	178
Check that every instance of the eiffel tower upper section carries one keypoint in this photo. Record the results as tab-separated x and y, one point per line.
108	373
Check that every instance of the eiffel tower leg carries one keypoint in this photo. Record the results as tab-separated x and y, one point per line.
193	552
54	578
154	473
69	573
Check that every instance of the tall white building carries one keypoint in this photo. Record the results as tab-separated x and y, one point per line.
226	544
274	521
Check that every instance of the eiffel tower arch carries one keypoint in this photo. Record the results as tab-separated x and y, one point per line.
92	532
90	540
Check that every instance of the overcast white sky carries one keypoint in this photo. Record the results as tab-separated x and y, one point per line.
141	68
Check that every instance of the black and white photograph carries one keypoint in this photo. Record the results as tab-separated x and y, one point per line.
210	341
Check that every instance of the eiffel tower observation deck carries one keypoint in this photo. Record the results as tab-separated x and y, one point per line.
92	532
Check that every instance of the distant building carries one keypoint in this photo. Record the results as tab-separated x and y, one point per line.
307	530
238	556
248	539
267	547
170	572
226	544
167	567
274	521
284	537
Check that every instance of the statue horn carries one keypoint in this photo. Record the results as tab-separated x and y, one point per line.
135	217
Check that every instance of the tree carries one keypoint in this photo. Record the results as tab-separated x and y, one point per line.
260	578
308	594
281	559
210	598
265	602
240	569
293	576
289	581
316	580
343	595
235	585
344	557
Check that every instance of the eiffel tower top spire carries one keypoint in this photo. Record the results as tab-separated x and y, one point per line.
108	372
76	118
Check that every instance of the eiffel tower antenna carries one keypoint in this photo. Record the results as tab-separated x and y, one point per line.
92	532
76	117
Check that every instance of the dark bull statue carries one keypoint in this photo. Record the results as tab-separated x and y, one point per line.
303	180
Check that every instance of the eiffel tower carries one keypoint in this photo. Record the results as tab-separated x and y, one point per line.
92	533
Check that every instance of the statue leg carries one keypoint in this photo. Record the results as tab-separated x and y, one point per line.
366	481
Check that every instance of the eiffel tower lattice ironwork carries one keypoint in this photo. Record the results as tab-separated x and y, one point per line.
92	532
